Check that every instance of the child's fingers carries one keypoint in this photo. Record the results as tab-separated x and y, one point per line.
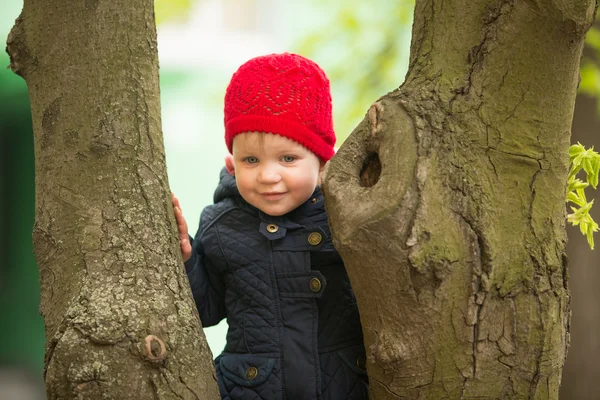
184	243
180	219
181	222
184	239
178	213
186	248
175	200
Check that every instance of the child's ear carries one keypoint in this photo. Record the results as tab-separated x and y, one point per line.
229	166
321	169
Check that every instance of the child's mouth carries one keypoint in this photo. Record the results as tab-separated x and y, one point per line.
272	196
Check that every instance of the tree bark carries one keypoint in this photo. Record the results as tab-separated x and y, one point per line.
447	203
120	321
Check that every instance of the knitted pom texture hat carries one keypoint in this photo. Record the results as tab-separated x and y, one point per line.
284	94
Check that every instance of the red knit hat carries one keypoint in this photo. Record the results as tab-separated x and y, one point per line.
285	94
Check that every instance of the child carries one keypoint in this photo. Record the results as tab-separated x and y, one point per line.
263	256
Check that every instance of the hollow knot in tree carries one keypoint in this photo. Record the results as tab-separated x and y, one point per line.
154	349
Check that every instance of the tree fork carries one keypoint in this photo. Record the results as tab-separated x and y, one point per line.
447	204
120	321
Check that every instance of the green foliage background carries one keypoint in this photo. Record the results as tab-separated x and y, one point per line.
370	41
590	67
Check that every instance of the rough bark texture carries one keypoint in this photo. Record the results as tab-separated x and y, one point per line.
447	203
120	322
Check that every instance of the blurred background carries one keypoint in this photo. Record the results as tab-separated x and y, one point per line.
362	46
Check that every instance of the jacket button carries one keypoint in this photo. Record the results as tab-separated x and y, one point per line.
314	200
315	285
272	228
251	373
315	238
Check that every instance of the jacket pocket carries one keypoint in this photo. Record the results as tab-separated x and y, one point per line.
355	358
247	376
344	375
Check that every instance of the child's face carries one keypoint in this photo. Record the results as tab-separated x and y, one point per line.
273	173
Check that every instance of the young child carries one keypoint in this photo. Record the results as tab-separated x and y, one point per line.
263	256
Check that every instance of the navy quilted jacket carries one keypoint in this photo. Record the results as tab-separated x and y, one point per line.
294	330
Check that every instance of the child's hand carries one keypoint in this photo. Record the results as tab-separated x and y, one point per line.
184	239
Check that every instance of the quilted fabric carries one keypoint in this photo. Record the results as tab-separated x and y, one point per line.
294	329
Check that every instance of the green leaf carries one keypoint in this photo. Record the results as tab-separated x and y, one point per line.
594	179
574	171
577	184
573	198
578	160
587	166
575	150
587	207
581	194
590	236
583	227
594	225
589	161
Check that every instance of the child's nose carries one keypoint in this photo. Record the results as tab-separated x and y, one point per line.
269	174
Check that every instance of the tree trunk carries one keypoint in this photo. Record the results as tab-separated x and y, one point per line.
447	203
120	320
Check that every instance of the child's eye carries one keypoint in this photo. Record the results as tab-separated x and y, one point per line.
288	159
250	160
